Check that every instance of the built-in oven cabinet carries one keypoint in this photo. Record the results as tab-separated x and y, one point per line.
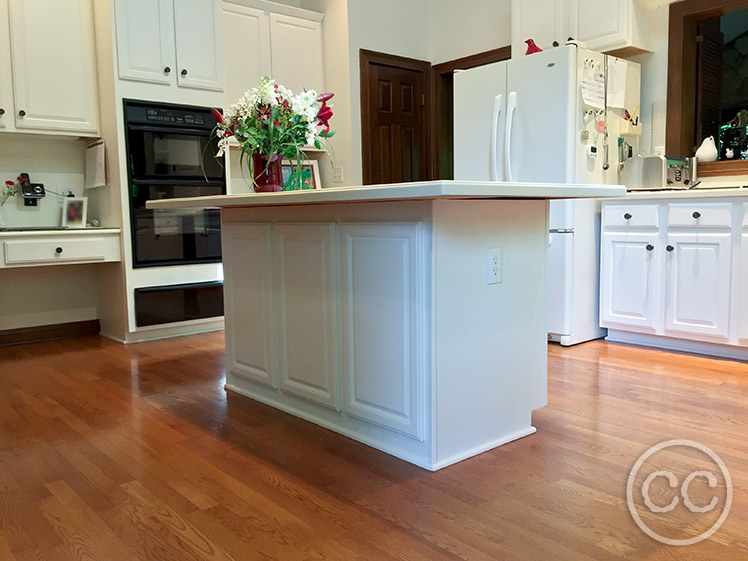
48	67
172	42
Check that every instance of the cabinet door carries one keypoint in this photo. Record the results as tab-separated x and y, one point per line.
247	267
384	324
743	289
698	284
306	311
198	28
296	53
543	21
602	24
54	65
629	280
145	40
246	37
6	84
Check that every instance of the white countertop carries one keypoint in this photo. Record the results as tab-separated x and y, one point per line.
58	232
443	189
684	194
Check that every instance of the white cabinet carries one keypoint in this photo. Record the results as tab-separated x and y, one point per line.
249	312
36	249
283	46
305	288
608	26
174	42
382	283
51	52
296	52
743	289
246	36
629	280
698	284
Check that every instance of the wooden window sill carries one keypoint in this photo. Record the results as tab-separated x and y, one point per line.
722	168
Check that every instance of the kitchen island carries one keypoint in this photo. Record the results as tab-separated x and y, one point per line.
410	317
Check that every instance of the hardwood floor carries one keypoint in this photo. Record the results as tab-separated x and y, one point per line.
112	452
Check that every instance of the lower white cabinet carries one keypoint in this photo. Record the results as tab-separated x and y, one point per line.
629	279
698	284
305	288
36	249
382	289
743	289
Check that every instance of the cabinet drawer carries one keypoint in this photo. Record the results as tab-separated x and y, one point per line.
51	251
631	216
705	215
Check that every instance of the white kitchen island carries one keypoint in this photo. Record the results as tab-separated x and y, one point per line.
410	317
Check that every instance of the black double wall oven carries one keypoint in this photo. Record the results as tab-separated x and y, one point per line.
170	154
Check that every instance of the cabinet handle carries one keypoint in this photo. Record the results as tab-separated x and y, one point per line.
696	214
167	70
184	72
58	250
650	247
555	43
627	216
22	113
670	248
2	111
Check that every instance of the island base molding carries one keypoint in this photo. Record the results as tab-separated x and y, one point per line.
674	344
378	321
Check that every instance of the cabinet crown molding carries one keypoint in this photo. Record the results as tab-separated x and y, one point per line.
279	9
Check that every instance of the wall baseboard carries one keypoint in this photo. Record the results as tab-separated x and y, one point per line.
49	332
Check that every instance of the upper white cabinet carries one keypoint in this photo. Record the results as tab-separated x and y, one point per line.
608	26
246	35
172	42
260	41
51	59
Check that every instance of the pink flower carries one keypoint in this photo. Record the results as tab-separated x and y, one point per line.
10	183
324	113
217	115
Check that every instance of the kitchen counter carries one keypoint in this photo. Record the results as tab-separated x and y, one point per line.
685	194
409	317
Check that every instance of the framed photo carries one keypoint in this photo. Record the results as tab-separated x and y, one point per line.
309	174
74	212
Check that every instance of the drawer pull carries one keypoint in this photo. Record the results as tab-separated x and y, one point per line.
2	111
650	247
58	250
627	216
22	113
167	70
696	214
670	248
184	72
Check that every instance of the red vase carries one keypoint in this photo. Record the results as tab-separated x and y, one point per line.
268	177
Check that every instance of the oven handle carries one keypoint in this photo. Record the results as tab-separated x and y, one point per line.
170	130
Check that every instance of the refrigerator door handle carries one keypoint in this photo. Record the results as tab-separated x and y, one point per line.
496	173
511	106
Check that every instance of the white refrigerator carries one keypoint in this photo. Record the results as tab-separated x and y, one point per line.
544	117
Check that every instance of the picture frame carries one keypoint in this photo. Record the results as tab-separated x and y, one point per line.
74	210
310	174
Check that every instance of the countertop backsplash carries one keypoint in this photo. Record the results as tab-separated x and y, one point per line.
58	163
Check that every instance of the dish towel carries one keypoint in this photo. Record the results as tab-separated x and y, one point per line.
97	164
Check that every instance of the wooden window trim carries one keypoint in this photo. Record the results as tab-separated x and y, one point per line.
681	99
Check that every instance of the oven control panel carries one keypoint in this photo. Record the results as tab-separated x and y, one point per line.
173	116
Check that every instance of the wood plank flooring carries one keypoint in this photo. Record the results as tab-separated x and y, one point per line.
112	452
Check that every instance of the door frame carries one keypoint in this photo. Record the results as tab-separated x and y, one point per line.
367	58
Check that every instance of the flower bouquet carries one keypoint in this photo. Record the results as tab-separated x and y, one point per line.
271	124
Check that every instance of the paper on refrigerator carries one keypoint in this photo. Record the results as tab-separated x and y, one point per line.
616	82
593	85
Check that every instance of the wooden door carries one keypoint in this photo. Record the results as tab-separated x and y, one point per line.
395	103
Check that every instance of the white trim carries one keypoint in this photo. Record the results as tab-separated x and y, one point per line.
673	344
482	448
279	9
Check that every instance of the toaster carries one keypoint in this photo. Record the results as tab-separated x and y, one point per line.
656	173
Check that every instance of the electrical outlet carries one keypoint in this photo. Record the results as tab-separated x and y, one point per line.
494	265
337	174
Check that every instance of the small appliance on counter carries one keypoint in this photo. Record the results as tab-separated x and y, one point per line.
31	192
659	173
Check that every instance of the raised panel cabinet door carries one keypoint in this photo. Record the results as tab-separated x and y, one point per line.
543	21
629	280
384	323
602	24
145	40
296	53
246	41
6	83
247	266
198	27
54	65
305	288
698	284
743	290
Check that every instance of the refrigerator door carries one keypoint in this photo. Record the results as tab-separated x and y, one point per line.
542	92
560	284
479	117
